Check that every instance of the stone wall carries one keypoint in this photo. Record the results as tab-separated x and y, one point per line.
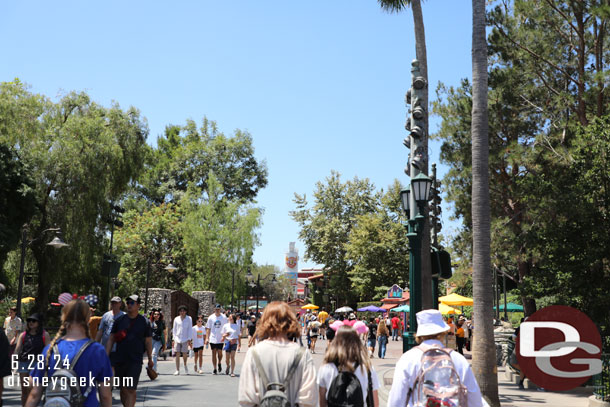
158	298
207	301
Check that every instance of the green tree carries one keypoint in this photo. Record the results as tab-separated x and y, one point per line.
483	363
326	227
17	202
186	155
219	237
377	247
148	242
82	155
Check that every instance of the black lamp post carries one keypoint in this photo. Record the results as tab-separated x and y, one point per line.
419	191
250	278
56	243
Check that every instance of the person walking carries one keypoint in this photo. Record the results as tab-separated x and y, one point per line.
213	336
182	335
251	330
382	337
240	326
72	337
159	335
13	326
371	340
460	336
277	359
132	335
395	321
107	322
431	332
347	353
29	345
230	337
313	331
198	341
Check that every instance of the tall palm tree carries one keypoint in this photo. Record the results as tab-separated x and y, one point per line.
396	6
484	352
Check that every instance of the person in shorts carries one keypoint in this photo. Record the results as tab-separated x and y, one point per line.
213	336
198	340
182	333
132	335
251	331
29	346
230	336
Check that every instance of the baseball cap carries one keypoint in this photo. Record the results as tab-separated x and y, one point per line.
134	297
115	299
217	306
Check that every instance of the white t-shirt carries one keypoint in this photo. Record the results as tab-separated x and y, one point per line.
231	329
329	371
198	336
215	324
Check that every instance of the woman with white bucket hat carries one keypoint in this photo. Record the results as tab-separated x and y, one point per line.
431	332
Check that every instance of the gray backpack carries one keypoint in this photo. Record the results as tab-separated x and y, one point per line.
274	394
63	394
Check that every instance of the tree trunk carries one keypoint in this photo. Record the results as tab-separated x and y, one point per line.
421	55
529	304
484	352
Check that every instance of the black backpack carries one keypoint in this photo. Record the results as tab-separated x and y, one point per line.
346	391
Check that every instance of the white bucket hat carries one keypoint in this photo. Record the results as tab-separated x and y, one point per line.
430	322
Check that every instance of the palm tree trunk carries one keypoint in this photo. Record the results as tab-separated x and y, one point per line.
484	352
422	57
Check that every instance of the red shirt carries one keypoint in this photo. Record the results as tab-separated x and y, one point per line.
395	322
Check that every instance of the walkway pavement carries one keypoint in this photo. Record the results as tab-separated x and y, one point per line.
220	390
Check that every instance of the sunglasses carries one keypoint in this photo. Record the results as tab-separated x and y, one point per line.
130	302
31	320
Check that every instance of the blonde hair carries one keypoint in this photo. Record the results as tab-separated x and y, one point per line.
346	351
439	336
382	329
278	319
75	312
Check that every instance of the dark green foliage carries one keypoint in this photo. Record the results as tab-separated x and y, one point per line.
17	201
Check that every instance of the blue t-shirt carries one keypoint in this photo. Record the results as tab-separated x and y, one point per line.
93	360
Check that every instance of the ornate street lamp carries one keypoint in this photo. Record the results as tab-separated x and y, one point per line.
420	189
56	243
170	268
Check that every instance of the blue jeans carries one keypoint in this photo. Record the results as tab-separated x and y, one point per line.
156	346
383	340
395	334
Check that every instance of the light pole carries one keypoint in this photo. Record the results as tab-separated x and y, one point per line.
56	243
250	278
232	287
419	191
170	268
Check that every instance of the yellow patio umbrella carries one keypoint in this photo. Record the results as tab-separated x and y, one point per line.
455	299
25	300
310	306
446	309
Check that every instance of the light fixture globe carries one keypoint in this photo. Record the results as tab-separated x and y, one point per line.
420	186
405	195
57	243
170	267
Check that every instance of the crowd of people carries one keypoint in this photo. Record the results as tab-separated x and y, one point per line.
113	347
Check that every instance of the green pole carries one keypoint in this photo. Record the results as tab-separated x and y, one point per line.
414	236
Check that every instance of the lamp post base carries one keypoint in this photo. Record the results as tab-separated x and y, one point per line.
408	341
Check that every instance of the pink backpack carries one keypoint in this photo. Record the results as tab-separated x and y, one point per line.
438	383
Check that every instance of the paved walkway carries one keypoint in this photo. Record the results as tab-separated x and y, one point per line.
220	390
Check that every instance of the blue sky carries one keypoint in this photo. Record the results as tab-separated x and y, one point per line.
320	85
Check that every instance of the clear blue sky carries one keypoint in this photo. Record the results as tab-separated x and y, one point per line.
320	85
